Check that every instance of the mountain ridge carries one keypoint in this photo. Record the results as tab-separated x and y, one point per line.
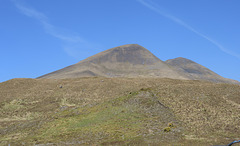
133	60
130	60
195	71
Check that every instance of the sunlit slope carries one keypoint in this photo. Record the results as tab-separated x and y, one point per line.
124	61
195	71
136	61
118	111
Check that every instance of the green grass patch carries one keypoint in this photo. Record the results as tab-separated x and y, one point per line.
111	121
123	120
14	105
107	123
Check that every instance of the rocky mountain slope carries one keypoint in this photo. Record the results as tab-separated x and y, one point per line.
124	61
195	71
135	61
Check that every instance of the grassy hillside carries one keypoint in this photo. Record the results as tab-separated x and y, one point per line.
118	111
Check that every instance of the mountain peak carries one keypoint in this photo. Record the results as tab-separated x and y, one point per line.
130	45
130	53
196	71
179	60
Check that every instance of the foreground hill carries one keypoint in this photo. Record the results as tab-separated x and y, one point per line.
135	61
118	111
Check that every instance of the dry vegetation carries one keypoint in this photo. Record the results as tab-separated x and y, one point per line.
118	111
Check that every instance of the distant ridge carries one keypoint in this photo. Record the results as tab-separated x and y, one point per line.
195	71
133	60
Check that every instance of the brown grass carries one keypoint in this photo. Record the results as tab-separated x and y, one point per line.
206	113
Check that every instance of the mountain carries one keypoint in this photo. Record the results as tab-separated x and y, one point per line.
124	61
121	111
195	71
133	60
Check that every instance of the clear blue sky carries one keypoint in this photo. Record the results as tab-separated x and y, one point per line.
41	36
